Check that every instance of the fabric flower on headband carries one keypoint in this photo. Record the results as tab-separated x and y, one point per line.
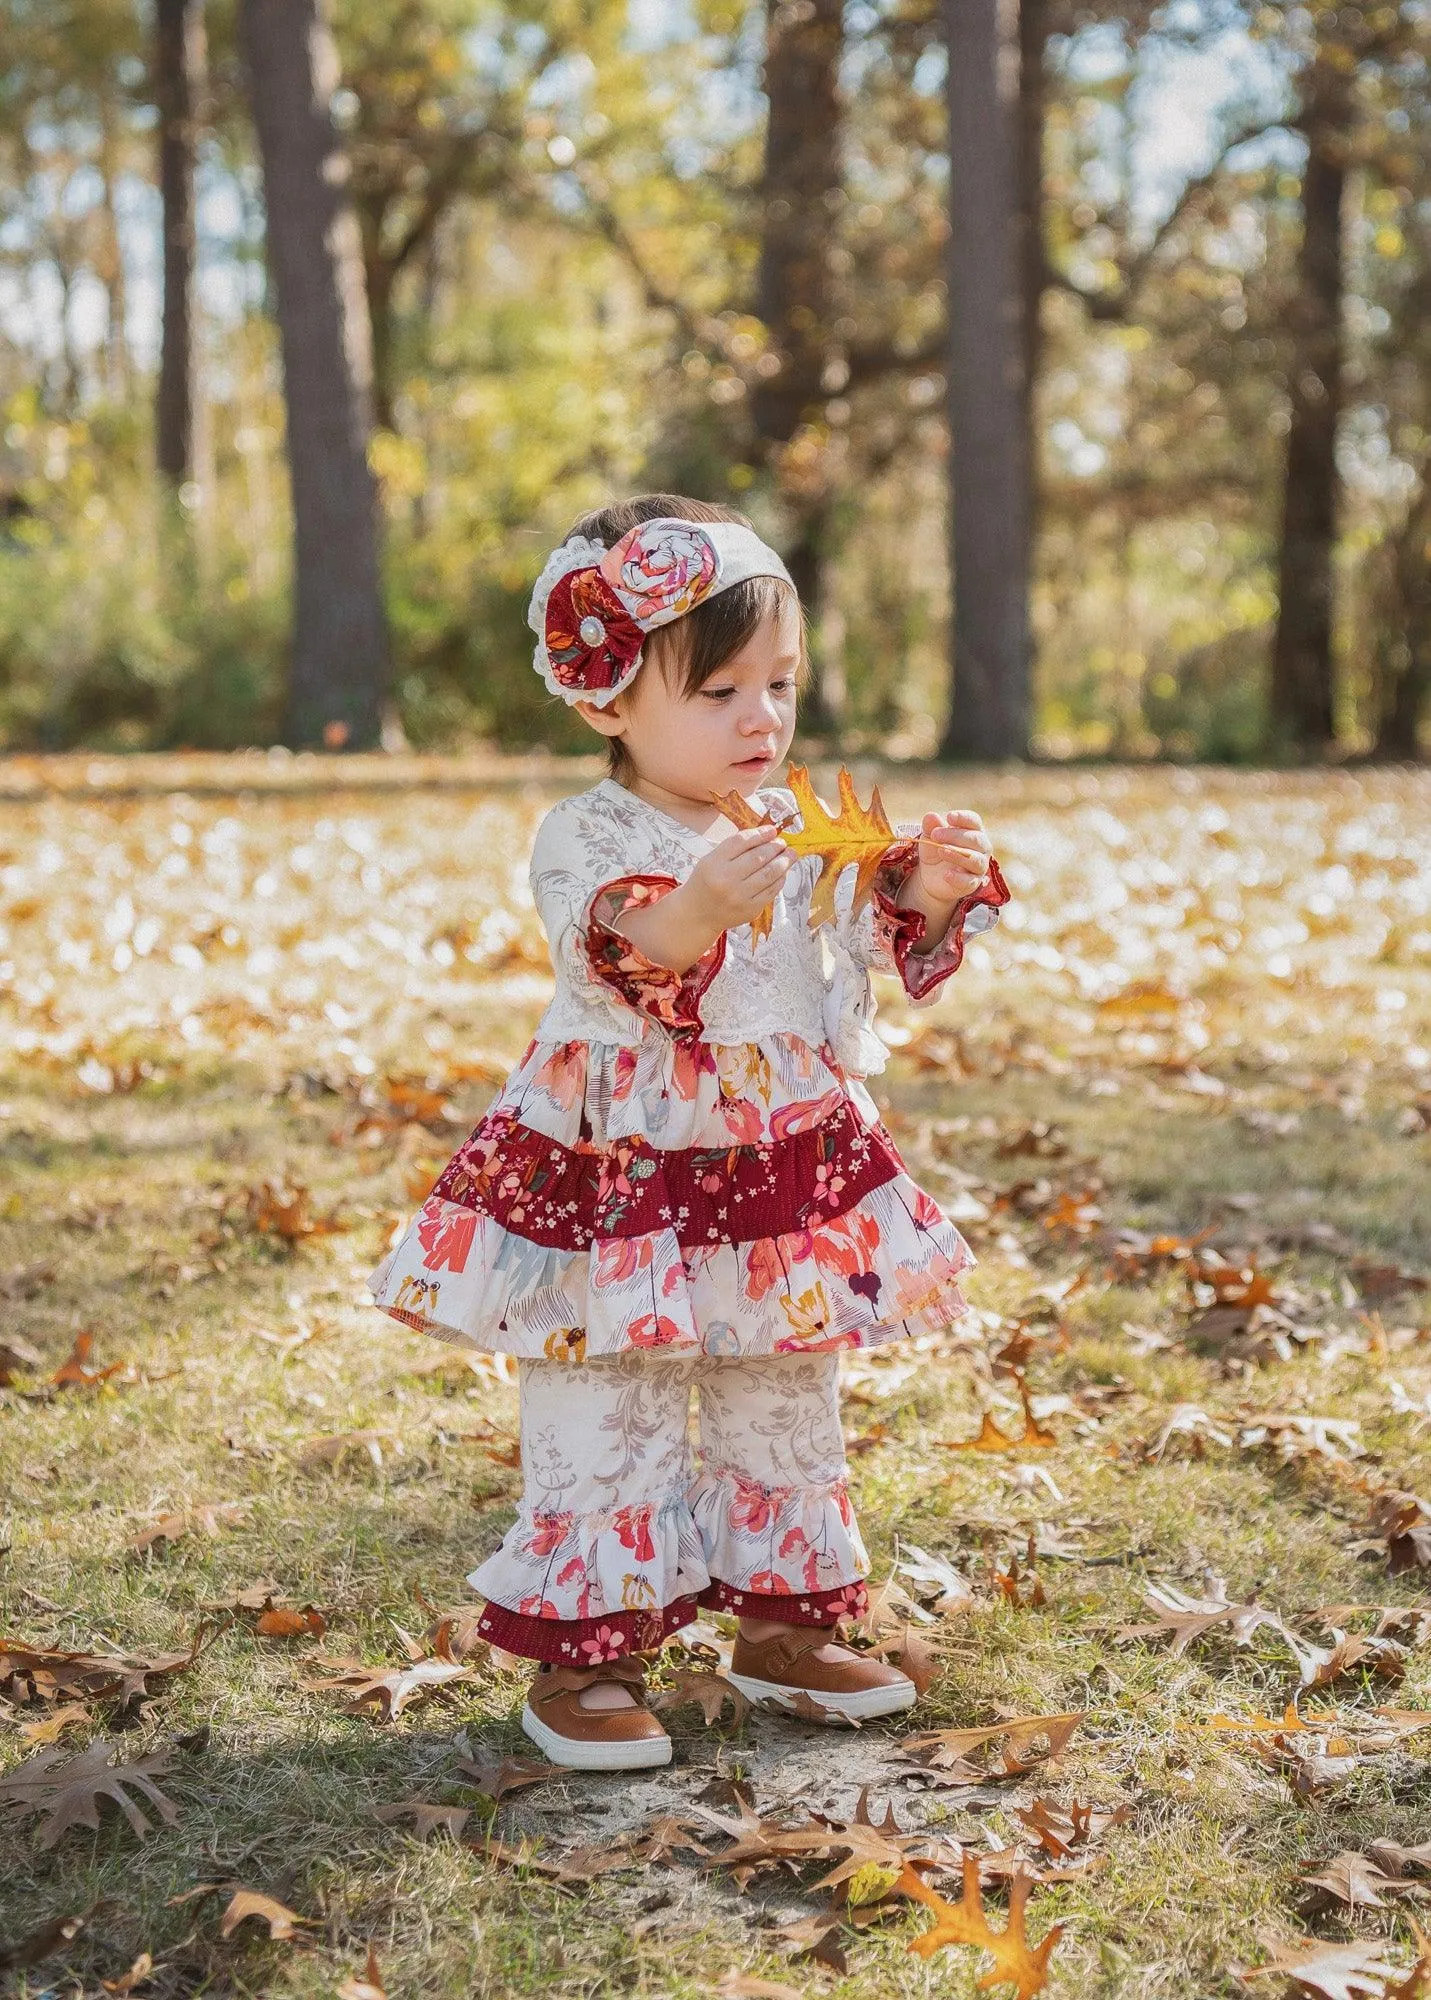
593	607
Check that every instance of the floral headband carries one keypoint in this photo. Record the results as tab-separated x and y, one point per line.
593	606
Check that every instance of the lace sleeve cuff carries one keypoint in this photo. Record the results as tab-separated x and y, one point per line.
897	931
671	999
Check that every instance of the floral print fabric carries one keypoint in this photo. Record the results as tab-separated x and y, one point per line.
671	999
699	1172
619	1538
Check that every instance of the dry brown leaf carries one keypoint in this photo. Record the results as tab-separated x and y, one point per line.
285	1210
1184	1618
45	1674
711	1692
69	1794
206	1517
1016	1963
1337	1971
246	1903
426	1818
1353	1879
288	1622
387	1690
453	1635
1035	1437
369	1987
17	1357
667	1836
330	1450
138	1975
75	1373
513	1774
940	1749
44	1942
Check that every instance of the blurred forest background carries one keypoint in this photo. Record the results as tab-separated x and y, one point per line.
318	329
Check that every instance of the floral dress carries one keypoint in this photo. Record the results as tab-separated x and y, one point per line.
690	1163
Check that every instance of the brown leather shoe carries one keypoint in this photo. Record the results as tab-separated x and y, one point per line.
594	1739
851	1688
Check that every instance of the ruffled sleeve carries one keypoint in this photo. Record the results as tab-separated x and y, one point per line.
885	935
671	999
582	883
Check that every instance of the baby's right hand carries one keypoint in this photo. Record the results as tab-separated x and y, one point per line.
738	879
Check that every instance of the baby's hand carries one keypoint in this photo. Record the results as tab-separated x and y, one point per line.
736	880
954	856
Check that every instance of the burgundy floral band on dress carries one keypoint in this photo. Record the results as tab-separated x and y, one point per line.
569	1197
587	1642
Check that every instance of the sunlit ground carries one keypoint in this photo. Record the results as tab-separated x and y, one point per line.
227	1016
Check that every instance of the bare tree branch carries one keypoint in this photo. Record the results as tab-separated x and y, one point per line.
1120	302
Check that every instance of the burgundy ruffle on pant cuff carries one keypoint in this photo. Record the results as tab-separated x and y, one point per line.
587	1642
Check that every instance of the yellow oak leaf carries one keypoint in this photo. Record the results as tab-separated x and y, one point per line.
856	836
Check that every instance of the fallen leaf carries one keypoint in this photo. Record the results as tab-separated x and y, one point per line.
369	1987
41	1673
17	1357
513	1774
329	1450
1338	1971
285	1210
137	1975
245	1903
207	1517
46	1941
710	1691
667	1836
388	1690
286	1622
1035	1436
69	1794
426	1818
1015	1962
76	1374
933	1575
1353	1879
942	1748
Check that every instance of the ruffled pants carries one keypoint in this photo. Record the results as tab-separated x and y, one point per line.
620	1537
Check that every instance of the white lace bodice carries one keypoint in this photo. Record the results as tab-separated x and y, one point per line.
813	984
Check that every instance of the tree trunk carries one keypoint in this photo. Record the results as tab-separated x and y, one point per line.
801	189
987	402
340	643
1406	694
111	260
1035	26
179	60
1301	704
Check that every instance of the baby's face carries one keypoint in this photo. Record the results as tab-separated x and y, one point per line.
730	735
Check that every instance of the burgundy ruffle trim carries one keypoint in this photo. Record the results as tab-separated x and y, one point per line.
567	1197
587	1642
669	998
902	929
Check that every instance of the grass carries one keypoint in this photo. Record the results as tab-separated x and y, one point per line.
1216	991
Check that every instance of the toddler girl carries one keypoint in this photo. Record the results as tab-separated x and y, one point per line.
684	1182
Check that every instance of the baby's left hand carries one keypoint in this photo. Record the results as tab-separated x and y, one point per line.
954	856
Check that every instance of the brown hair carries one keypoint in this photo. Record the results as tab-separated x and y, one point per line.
697	646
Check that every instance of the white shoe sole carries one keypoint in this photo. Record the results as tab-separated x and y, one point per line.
639	1755
858	1706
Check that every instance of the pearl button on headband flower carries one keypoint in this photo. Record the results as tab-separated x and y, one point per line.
593	606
